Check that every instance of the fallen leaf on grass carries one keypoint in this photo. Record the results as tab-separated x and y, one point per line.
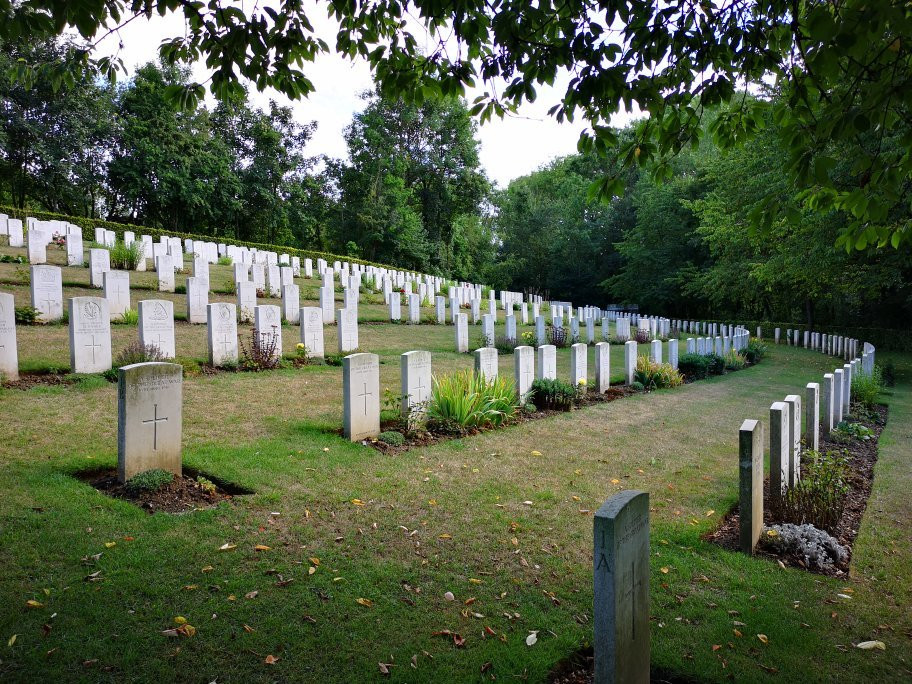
385	667
311	570
364	602
185	630
444	536
261	547
251	594
615	481
32	603
871	645
763	638
110	545
664	570
248	629
357	502
227	546
458	639
180	620
532	639
271	660
536	453
475	581
208	568
12	640
716	647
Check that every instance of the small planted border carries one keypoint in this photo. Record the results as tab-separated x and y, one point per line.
194	490
862	458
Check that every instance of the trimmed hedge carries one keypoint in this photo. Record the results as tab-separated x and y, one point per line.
89	225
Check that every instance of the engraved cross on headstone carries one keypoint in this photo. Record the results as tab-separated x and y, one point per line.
93	346
155	420
365	394
420	387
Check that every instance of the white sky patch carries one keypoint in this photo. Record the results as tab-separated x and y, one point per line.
510	147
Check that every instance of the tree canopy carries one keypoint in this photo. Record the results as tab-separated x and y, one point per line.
838	74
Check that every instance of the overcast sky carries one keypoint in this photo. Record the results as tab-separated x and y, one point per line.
510	147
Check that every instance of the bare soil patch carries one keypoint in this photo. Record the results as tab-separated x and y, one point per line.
183	495
862	457
27	381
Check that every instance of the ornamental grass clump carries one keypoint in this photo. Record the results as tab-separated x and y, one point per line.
818	498
553	394
125	257
148	481
866	388
754	351
656	375
468	401
693	366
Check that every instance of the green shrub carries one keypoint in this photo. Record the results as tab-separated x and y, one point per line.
551	394
128	317
846	431
818	498
637	386
135	352
225	261
148	481
716	364
656	375
504	345
392	438
469	401
125	257
754	351
693	366
206	484
866	388
734	361
26	315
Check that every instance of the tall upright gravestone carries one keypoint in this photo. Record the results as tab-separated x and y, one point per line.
149	418
750	491
621	589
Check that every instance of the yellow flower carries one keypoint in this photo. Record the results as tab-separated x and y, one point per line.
581	381
300	345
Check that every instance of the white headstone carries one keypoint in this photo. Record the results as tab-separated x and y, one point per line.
347	329
99	263
197	299
579	372
267	322
117	292
780	449
9	355
156	325
221	334
524	370
630	360
415	372
149	418
327	303
546	362
164	266
462	333
291	303
90	335
361	396
311	320
486	363
602	367
247	301
47	292
621	589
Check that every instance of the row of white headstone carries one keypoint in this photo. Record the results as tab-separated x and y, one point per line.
825	407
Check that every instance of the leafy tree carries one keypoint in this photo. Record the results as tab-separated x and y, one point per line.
413	173
839	70
52	144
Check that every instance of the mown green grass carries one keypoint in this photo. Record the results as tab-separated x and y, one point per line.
274	433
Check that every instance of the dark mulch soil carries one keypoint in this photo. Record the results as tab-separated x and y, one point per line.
27	381
862	456
424	438
182	495
578	669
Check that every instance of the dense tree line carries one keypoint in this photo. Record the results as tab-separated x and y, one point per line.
412	193
687	247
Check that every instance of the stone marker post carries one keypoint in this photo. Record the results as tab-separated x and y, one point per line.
415	376
812	416
602	367
361	396
779	449
750	490
630	360
524	370
621	589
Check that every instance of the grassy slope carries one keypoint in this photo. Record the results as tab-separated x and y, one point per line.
270	432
